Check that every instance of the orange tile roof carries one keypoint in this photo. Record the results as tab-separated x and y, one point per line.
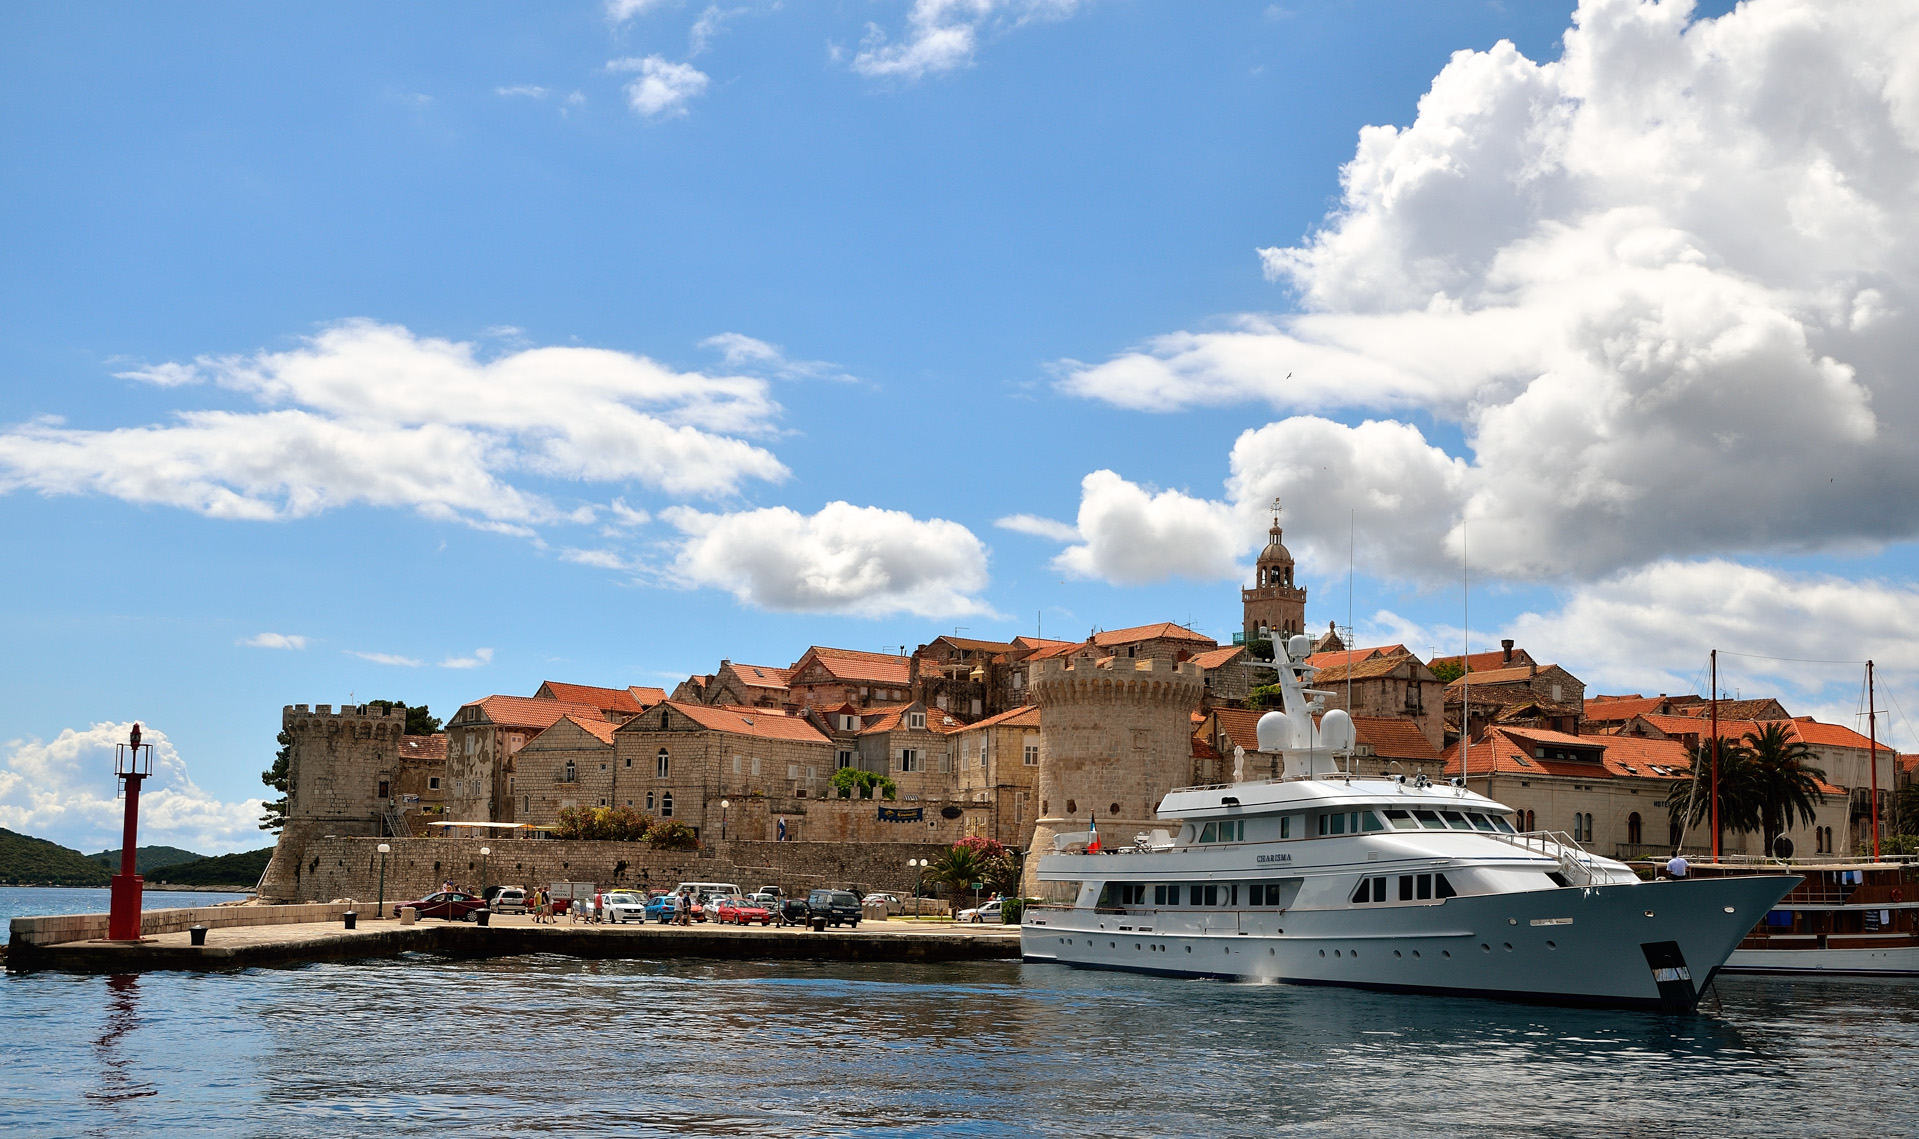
1055	649
1392	737
1483	662
1511	751
1241	725
1732	709
757	722
1802	728
529	711
646	696
1041	642
972	645
859	667
761	675
1622	707
1025	716
423	749
1361	670
1511	675
599	729
605	699
1164	630
1204	750
1339	656
888	720
1216	658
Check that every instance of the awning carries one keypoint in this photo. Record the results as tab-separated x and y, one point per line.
489	826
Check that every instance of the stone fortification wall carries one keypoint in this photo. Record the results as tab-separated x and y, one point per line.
1114	739
333	780
350	867
91	927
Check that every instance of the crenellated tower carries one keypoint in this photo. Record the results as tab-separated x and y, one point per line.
340	781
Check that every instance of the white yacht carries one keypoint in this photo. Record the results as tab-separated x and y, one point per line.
1318	877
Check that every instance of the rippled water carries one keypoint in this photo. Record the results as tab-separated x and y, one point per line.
552	1045
47	901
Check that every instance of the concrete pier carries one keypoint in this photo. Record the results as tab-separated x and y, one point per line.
250	946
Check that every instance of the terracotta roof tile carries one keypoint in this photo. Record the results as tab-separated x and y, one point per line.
605	699
1483	662
1733	709
1361	670
1164	630
1241	726
646	696
1204	750
1609	708
1392	737
1217	658
423	749
1024	716
601	730
856	666
530	711
762	675
1339	656
757	722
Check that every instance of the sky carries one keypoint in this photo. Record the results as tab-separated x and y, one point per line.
432	351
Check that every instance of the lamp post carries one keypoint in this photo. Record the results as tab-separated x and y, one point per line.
484	851
384	850
724	804
918	878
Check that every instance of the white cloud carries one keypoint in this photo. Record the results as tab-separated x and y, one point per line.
620	11
276	641
527	90
369	413
65	791
387	658
857	560
662	88
711	23
748	354
1657	282
942	35
1132	535
598	559
1039	527
479	657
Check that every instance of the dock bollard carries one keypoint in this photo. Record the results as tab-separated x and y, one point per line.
198	934
409	915
351	918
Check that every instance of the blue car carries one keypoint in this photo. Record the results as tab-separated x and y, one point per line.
660	909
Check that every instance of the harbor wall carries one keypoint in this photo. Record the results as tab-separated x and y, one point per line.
153	923
350	867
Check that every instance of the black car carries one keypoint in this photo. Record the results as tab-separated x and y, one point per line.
793	911
836	906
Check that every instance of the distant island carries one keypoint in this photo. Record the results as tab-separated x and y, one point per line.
29	861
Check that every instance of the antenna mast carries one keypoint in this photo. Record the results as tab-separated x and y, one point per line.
1715	755
1872	757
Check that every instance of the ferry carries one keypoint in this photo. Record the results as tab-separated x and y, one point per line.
1846	918
1316	876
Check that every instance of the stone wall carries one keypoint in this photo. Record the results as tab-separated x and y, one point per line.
92	927
350	867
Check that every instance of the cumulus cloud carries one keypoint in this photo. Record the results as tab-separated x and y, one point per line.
370	413
387	658
1039	527
276	641
942	35
857	560
65	791
479	657
1131	535
662	88
1660	283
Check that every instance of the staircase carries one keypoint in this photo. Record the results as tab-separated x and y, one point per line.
396	824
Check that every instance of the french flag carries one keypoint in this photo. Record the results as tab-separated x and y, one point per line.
1092	843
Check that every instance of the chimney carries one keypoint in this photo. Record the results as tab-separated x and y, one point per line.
1507	647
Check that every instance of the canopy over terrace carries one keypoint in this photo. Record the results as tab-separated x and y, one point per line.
489	826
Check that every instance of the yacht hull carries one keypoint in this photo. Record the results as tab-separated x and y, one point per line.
1649	945
1897	961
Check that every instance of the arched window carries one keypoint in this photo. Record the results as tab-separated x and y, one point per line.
666	805
662	765
1576	826
1633	828
649	802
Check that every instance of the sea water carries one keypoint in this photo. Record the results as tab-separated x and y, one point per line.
555	1046
48	901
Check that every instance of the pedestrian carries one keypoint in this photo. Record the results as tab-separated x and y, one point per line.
1677	867
543	911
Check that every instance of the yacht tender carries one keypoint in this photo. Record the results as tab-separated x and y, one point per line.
1318	877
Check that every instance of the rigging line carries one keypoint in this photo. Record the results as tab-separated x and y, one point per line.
1902	715
1790	660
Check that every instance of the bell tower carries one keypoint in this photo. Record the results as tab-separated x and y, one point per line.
1273	602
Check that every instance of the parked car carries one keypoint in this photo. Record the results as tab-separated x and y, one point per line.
890	901
836	906
454	906
765	900
506	899
793	911
662	908
739	911
619	907
990	912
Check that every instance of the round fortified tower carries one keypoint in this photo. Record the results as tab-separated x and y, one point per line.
1115	736
334	782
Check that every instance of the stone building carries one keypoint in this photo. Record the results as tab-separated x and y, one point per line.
1397	687
827	678
1383	745
1506	657
1230	674
1160	641
1522	695
912	745
997	765
687	758
341	775
482	740
571	764
966	677
1275	601
420	786
616	704
1116	736
747	686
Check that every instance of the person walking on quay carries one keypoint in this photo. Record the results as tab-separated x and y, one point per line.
540	906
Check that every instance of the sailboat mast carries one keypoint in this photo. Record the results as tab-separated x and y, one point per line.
1715	755
1872	757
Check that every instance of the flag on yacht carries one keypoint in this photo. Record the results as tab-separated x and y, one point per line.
1092	841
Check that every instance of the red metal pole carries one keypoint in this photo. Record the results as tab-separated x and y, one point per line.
1715	755
1872	757
123	911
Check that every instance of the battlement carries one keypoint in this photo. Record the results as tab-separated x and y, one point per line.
367	720
398	710
1118	668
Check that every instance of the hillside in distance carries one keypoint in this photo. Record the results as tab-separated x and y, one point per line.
29	861
146	859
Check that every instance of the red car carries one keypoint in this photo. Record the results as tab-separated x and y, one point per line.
453	906
739	911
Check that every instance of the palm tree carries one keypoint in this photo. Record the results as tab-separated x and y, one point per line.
959	867
1691	801
1786	785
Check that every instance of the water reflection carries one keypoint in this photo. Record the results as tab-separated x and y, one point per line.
553	1045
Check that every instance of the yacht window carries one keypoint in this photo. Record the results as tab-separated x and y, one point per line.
1500	824
1256	894
1457	821
1480	822
1402	820
1429	820
1370	890
1159	894
1423	887
1212	895
1235	895
1370	821
1232	830
1207	833
1443	888
1285	826
1405	887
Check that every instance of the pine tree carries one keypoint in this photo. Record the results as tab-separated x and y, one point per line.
277	777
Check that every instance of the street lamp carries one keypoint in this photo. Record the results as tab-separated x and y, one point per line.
724	804
384	850
484	851
917	879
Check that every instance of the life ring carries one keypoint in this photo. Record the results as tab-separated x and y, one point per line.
1898	895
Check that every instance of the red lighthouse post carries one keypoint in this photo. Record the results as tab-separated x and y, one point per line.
132	762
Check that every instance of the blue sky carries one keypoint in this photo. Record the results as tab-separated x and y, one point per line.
451	350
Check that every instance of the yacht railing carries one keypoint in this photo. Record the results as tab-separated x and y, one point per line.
1575	861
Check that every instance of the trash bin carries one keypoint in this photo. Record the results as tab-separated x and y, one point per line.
351	918
818	924
482	916
198	933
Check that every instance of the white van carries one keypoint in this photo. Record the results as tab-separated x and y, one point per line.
702	889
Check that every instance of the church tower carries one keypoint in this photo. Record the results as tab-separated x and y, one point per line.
1274	602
